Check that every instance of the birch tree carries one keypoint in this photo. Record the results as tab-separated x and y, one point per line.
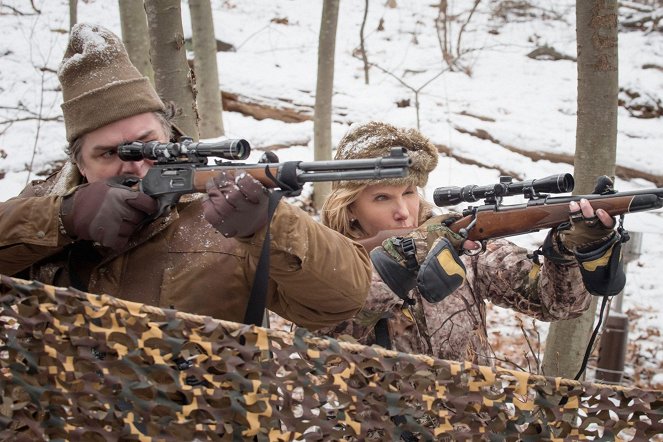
322	115
172	76
596	143
208	94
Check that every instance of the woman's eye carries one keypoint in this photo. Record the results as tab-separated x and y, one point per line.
108	154
381	198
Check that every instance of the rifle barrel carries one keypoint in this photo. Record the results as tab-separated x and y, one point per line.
373	163
369	174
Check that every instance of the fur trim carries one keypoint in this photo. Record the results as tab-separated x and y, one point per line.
375	139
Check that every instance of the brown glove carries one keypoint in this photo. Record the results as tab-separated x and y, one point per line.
106	212
236	206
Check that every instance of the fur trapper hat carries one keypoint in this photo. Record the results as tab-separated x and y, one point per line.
375	139
100	85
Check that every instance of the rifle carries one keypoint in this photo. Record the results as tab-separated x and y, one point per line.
542	211
181	168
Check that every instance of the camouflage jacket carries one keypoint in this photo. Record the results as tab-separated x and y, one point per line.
455	328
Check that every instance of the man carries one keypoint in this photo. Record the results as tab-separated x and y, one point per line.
83	227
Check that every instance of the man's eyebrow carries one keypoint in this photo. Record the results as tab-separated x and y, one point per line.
147	134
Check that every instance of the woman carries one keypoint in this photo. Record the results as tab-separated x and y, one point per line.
454	328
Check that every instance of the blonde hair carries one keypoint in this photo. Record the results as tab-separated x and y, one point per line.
335	212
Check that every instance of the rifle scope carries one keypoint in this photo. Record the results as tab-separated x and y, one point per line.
450	196
184	150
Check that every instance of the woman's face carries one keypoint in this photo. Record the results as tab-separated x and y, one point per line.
383	207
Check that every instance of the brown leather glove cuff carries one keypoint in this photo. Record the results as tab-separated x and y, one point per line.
66	216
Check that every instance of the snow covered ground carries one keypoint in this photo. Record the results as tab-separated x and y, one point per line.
524	103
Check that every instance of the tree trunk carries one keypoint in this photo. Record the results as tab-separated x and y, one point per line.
322	117
135	36
205	69
73	13
596	141
362	42
172	76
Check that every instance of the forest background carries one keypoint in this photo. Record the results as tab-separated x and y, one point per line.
506	105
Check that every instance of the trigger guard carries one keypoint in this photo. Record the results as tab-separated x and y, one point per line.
473	252
130	181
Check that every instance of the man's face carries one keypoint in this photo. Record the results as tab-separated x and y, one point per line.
98	157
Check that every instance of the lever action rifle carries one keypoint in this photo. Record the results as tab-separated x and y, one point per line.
182	167
542	211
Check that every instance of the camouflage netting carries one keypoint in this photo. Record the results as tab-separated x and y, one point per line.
76	366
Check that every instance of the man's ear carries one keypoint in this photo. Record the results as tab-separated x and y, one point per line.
81	170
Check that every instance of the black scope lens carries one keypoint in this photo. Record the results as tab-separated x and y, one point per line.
450	196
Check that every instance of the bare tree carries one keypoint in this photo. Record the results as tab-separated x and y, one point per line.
172	76
73	13
416	91
362	43
135	36
322	116
452	54
207	75
596	141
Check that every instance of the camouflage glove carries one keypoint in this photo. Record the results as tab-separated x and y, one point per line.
236	206
438	227
426	258
596	247
582	234
106	212
576	237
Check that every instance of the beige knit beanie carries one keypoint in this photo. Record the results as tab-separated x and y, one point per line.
99	83
375	139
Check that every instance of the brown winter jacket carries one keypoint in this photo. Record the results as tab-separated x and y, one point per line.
317	276
455	328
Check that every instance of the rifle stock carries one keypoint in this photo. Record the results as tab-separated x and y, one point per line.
377	239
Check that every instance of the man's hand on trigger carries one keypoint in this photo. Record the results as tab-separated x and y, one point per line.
236	205
107	212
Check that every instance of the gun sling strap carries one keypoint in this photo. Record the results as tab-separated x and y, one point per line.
287	181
